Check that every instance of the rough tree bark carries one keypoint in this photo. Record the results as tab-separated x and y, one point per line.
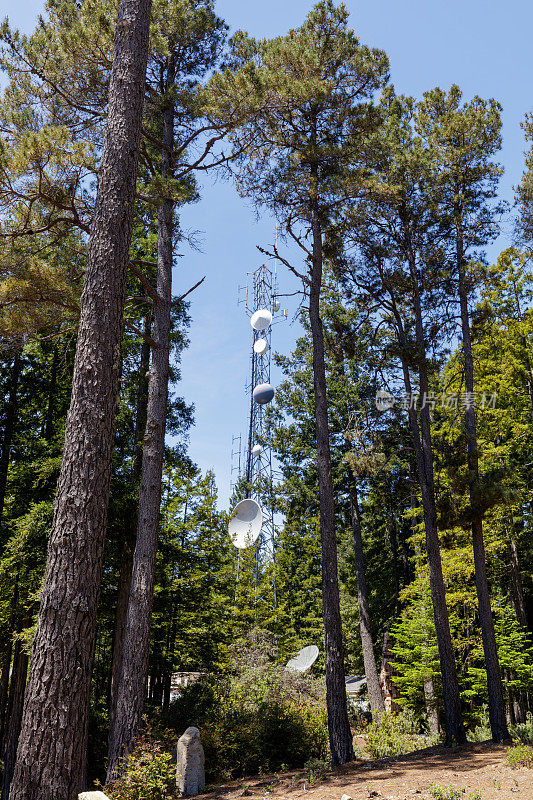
132	685
497	717
340	737
51	751
369	659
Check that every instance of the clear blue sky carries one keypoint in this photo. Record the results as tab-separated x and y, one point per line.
485	47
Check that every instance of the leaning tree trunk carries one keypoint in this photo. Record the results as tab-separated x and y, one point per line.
132	685
340	736
369	659
498	722
9	426
422	446
51	751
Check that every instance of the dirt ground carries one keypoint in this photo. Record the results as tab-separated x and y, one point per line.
470	768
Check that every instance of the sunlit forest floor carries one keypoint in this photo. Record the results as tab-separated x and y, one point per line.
477	771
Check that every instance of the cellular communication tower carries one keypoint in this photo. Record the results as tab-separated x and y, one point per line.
261	305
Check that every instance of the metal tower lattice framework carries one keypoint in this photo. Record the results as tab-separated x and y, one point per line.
261	294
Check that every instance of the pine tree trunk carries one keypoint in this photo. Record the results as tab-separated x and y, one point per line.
6	665
128	544
431	710
498	723
132	685
423	450
340	736
48	428
429	689
9	426
517	594
369	659
16	701
51	752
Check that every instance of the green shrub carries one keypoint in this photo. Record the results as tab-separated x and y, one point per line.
242	741
395	735
481	732
520	756
450	793
523	731
444	792
316	769
149	774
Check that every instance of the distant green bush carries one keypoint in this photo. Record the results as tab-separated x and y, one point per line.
444	792
242	741
316	769
481	732
397	734
450	793
523	731
520	756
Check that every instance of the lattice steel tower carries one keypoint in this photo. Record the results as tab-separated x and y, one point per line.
260	294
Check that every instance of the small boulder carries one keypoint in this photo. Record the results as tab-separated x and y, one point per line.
92	796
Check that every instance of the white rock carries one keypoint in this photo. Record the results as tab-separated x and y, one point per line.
190	768
92	796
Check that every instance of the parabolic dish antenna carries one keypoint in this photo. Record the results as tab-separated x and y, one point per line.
260	347
261	319
263	393
245	523
303	660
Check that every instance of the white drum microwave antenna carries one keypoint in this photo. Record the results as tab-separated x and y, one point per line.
260	346
261	319
263	393
245	523
303	660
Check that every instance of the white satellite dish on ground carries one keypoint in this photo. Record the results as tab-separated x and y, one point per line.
263	393
261	319
257	450
303	660
260	346
245	523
